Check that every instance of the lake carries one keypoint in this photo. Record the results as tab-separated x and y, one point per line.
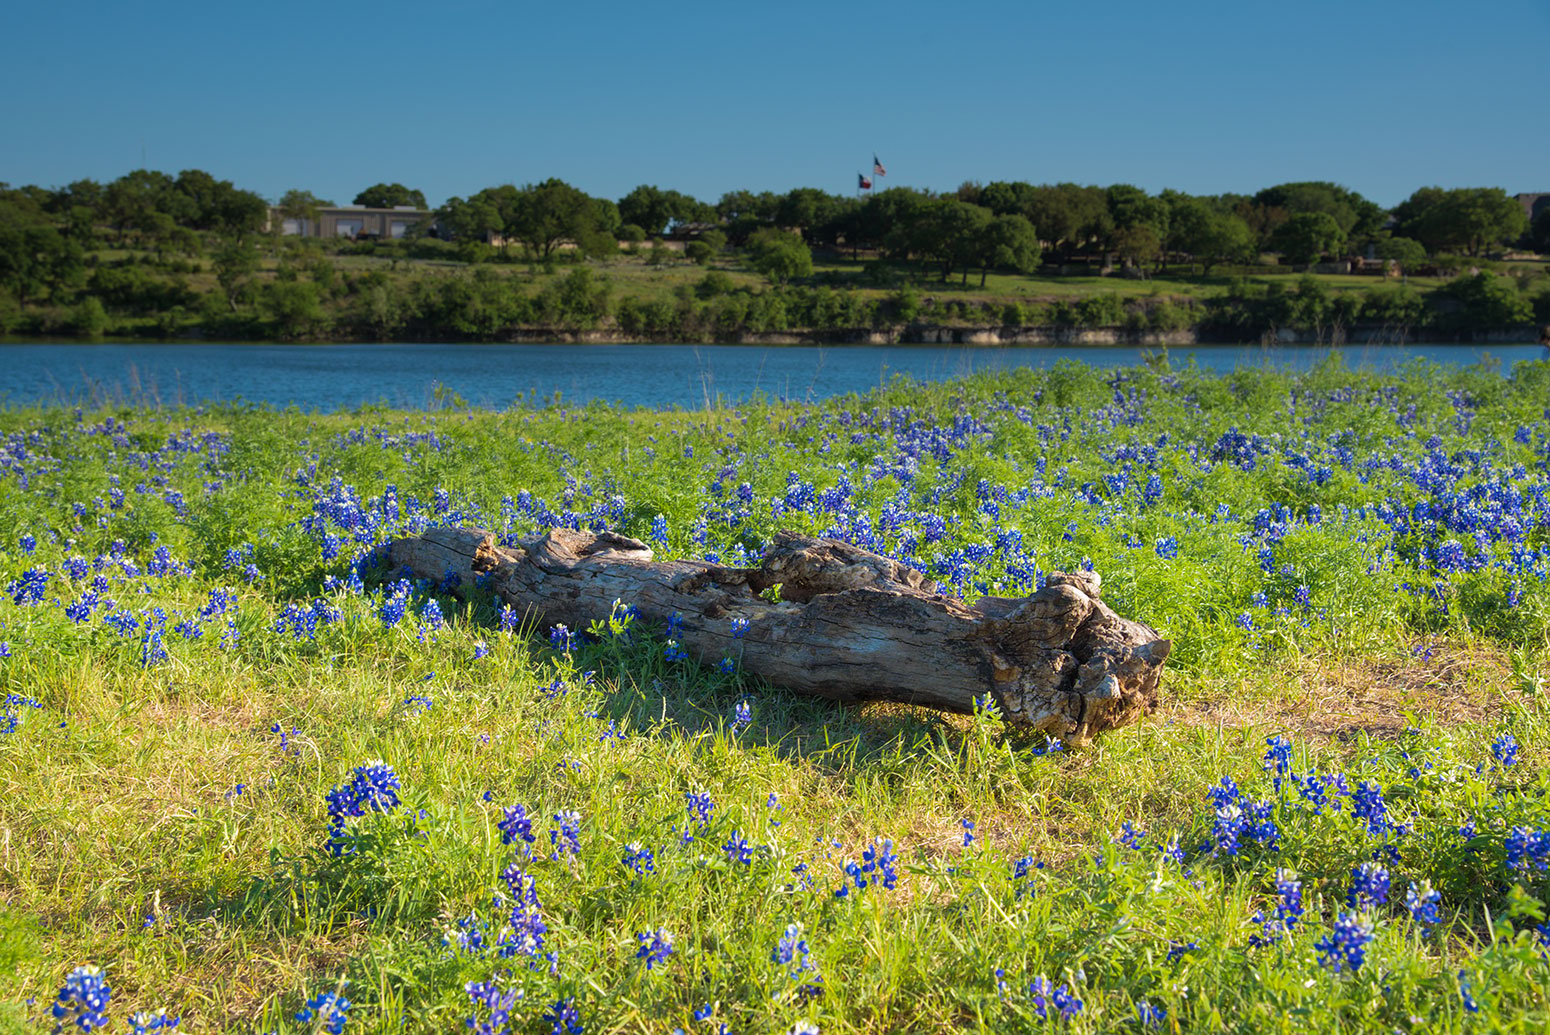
334	377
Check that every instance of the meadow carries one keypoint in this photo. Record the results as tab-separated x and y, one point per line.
253	778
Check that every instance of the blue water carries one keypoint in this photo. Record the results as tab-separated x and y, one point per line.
333	377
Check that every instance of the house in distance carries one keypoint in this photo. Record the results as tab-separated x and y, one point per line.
356	222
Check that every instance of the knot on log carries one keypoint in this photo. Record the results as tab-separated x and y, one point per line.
850	625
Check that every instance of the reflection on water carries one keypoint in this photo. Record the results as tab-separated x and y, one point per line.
331	377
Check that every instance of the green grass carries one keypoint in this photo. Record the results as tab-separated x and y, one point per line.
119	794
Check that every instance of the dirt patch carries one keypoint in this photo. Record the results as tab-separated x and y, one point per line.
1340	699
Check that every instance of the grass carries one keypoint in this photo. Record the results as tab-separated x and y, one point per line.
165	818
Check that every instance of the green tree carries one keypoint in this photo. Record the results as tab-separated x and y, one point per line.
1207	234
35	258
1471	218
389	195
654	209
1010	243
302	204
553	213
296	308
234	261
1307	236
779	255
1487	300
1403	250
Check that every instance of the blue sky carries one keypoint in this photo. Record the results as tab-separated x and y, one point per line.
705	98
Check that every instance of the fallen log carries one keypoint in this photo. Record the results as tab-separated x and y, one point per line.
843	623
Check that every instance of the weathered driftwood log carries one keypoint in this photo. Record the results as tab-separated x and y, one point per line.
848	625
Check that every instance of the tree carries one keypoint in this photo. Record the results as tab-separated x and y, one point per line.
1307	236
302	204
654	209
1408	253
35	258
1352	213
1012	244
1471	218
234	261
389	195
1488	300
1207	234
553	213
779	255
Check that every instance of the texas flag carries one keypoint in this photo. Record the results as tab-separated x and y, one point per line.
862	183
877	167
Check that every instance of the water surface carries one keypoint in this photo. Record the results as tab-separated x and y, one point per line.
333	377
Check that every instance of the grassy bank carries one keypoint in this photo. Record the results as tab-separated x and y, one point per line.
423	291
245	767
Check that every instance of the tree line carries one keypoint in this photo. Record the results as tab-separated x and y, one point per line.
194	218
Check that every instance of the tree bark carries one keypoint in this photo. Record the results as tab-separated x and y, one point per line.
845	624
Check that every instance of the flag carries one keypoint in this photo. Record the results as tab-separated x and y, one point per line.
877	167
862	183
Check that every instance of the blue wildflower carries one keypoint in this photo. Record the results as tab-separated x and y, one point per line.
563	1017
82	1001
565	836
1345	947
655	946
515	825
330	1010
1369	886
496	1004
1422	900
1505	750
639	858
741	716
145	1021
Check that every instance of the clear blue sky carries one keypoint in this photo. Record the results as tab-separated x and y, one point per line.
1204	97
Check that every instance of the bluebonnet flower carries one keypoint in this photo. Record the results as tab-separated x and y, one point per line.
152	650
1278	757
1345	947
11	711
562	639
565	836
1422	900
1047	996
481	650
1022	876
639	858
1465	997
30	588
659	530
330	1009
655	946
1167	548
82	1001
496	1003
741	716
1527	849
700	806
143	1022
1369	886
876	867
27	542
1367	805
673	651
510	620
738	849
1150	1015
469	936
1288	910
394	603
791	951
1505	750
286	748
739	627
515	826
968	831
524	935
373	787
726	666
418	704
1178	949
563	1017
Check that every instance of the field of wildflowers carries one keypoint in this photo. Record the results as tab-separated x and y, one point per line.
253	780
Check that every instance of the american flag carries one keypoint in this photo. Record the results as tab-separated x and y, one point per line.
877	167
862	183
